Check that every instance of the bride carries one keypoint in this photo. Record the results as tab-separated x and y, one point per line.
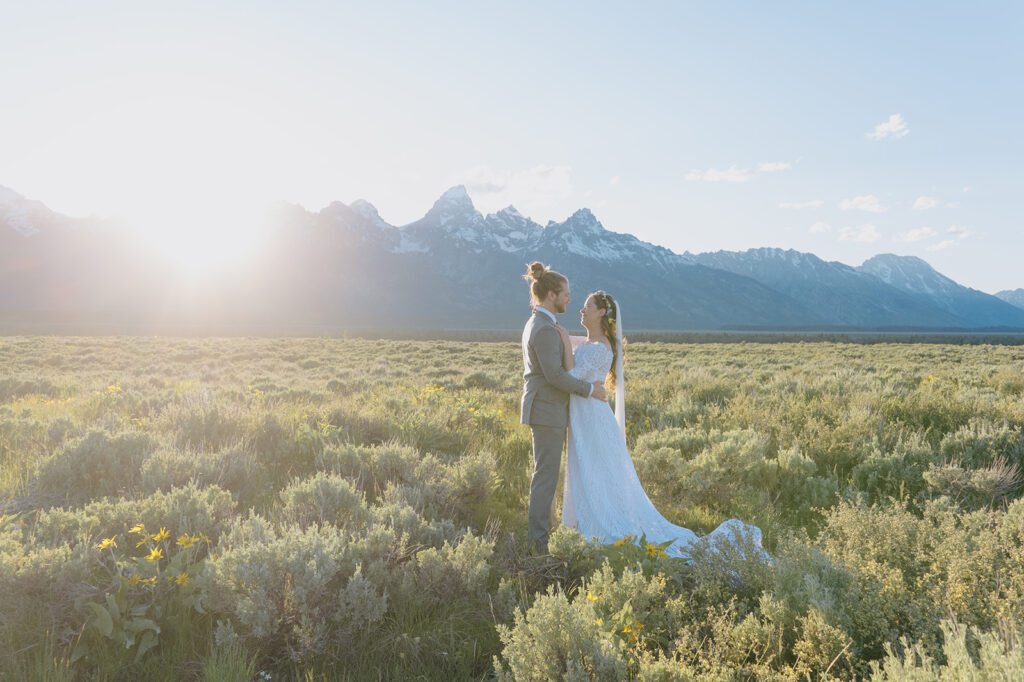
603	497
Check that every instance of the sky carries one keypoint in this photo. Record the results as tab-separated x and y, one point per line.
841	129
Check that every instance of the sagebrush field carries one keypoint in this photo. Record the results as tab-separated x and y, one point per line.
233	509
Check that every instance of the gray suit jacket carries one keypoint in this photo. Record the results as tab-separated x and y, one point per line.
546	384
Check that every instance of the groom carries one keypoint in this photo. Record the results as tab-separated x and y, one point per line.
546	389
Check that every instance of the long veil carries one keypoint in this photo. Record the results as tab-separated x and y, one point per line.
620	386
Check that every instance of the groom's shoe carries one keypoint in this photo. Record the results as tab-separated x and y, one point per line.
538	549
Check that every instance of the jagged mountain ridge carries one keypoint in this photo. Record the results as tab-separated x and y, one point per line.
842	294
470	267
915	277
345	267
1014	297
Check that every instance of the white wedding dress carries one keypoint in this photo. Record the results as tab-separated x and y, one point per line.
603	497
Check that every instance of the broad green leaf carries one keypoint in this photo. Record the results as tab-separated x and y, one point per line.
140	624
101	619
148	641
81	649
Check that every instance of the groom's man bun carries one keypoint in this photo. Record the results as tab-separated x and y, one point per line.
543	280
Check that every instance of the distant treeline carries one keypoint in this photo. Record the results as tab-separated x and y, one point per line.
864	336
1000	336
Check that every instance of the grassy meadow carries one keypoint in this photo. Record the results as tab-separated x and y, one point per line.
326	508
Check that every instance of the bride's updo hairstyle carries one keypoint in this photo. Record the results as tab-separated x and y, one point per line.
608	323
543	280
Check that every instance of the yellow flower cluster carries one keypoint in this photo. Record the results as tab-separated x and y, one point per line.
633	630
186	540
623	540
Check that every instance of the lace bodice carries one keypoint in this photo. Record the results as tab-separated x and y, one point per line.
593	360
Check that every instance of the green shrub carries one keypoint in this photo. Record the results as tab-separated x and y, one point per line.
896	474
188	509
966	654
199	422
292	594
559	640
96	466
234	468
323	498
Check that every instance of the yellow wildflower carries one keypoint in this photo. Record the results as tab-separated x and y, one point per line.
134	580
590	596
139	528
162	535
633	630
599	621
156	555
186	540
182	579
655	551
623	540
108	542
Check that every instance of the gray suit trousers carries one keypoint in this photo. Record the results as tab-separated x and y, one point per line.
548	442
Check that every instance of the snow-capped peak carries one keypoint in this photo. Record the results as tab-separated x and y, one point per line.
15	212
369	212
511	212
453	210
909	273
9	196
455	199
584	220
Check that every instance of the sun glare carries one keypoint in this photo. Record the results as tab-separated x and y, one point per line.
182	166
204	238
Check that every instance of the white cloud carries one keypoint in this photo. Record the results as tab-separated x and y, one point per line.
894	128
915	235
534	189
861	233
864	203
924	203
944	244
614	181
807	204
960	231
734	174
819	227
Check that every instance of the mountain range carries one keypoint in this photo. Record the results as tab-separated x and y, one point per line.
344	267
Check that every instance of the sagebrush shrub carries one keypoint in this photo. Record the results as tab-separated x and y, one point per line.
97	465
292	593
235	468
558	639
323	498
